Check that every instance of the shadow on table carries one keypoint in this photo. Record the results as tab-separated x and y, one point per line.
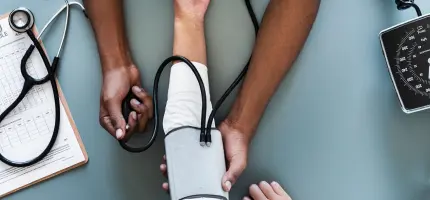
138	175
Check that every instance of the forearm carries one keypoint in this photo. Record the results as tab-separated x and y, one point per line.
184	106
189	39
284	30
107	19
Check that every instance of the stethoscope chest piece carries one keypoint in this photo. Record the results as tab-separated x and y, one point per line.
21	20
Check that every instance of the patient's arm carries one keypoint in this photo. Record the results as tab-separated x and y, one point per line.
183	106
189	34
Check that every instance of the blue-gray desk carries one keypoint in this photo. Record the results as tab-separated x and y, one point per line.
333	131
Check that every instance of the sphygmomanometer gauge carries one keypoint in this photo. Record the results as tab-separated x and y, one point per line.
406	48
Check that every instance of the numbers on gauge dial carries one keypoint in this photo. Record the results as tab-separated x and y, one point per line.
413	60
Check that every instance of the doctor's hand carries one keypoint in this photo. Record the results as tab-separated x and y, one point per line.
117	82
236	145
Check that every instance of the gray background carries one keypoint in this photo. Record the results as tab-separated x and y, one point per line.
333	131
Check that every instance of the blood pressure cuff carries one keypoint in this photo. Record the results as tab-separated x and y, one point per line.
195	172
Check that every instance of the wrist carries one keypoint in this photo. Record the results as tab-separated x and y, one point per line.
112	61
244	117
189	20
238	126
231	128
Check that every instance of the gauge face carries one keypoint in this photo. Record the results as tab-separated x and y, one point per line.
407	51
20	19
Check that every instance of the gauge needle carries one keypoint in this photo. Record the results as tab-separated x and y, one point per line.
429	68
429	73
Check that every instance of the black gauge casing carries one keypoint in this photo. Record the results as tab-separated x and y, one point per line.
406	48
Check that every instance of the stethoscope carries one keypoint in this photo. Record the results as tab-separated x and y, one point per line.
22	20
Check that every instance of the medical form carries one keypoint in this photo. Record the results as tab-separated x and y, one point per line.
25	132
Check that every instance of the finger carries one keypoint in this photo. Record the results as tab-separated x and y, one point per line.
279	190
131	126
138	106
165	187
267	190
118	121
237	165
132	121
142	121
256	193
163	169
106	123
144	98
143	113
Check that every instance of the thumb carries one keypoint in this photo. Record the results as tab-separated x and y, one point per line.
118	121
236	166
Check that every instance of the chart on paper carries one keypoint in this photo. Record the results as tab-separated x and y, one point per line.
27	130
11	80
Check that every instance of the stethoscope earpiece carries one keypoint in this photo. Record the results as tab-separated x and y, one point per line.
21	20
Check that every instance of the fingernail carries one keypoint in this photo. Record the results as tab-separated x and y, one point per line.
133	115
136	89
119	133
246	198
162	167
264	183
135	102
254	186
228	185
127	127
274	184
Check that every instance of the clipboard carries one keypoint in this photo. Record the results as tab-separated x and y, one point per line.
72	124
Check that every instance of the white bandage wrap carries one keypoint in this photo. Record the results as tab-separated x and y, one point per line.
184	99
195	172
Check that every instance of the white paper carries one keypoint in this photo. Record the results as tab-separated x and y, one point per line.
25	132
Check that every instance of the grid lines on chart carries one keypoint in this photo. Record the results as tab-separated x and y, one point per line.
11	80
23	131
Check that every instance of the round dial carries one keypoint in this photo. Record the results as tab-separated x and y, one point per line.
20	19
412	62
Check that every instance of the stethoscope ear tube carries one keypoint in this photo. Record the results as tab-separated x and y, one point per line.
27	77
28	83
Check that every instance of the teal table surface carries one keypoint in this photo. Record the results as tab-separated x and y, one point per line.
333	131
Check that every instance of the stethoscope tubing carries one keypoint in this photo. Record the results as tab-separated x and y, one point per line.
29	82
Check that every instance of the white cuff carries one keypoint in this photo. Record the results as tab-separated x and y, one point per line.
184	100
